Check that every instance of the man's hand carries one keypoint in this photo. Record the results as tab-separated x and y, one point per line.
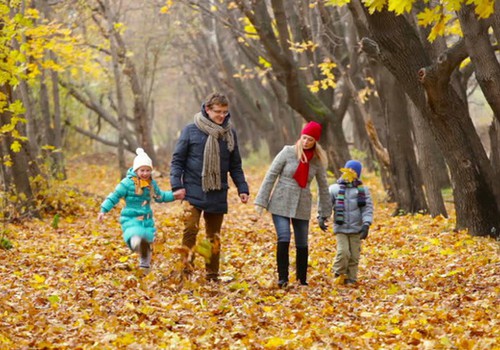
244	197
364	231
180	193
322	223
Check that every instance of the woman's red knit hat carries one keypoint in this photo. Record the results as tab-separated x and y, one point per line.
312	129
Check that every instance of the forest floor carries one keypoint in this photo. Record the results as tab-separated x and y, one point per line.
74	284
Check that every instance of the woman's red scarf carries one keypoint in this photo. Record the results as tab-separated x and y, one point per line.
302	173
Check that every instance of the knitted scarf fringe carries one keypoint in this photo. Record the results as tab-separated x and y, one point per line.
340	200
211	175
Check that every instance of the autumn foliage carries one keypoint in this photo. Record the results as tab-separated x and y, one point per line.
74	284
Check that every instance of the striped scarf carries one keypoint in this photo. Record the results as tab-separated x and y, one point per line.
210	176
340	200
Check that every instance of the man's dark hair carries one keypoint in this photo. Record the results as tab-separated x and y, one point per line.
216	98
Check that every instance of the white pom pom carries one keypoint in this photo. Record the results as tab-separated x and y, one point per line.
139	151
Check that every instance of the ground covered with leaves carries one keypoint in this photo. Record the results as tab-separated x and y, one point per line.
72	283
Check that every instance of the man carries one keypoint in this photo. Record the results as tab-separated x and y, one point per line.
205	153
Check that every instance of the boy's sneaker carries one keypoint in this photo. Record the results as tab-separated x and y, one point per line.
349	281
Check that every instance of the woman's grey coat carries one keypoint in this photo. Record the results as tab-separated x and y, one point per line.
288	198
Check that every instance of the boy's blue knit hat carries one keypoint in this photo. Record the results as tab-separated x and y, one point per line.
354	165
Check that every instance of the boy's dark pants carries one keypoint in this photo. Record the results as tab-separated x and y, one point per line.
213	223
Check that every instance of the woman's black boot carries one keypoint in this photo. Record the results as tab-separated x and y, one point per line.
301	264
283	262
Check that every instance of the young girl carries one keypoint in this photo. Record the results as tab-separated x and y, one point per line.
138	189
285	193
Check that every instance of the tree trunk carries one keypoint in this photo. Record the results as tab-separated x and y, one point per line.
486	66
404	169
401	51
494	133
20	177
431	163
58	155
482	55
48	131
142	120
53	129
119	92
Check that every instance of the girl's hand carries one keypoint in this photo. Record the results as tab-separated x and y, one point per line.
100	217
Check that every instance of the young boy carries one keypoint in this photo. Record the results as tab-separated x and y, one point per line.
138	189
353	215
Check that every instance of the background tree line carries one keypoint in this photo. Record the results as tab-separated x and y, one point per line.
390	82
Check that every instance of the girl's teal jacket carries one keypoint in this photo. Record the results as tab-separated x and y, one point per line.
136	217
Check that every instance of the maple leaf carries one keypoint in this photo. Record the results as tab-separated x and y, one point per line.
401	6
348	174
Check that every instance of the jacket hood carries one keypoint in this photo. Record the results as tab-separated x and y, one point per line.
131	173
204	113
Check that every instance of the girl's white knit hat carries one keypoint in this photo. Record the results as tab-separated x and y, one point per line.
142	159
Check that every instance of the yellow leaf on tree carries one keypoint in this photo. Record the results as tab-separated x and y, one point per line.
484	9
338	3
400	6
15	146
374	5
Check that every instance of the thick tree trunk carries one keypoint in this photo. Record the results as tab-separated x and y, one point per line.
494	133
379	128
19	175
401	51
431	163
31	143
53	129
474	198
404	169
486	66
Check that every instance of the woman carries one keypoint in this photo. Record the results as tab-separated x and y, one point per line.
290	200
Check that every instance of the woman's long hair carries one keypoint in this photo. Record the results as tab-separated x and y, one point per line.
318	152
